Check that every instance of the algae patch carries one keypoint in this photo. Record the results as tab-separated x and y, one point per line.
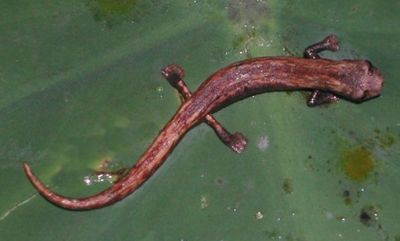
358	164
112	12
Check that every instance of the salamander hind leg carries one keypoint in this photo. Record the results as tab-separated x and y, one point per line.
237	142
312	52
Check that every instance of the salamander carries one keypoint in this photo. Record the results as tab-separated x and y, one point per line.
354	80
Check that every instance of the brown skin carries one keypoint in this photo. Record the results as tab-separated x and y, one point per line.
355	80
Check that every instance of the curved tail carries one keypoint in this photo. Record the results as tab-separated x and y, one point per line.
149	162
111	195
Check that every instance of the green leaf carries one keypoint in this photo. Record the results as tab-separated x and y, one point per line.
80	87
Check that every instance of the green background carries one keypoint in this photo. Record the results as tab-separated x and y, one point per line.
80	84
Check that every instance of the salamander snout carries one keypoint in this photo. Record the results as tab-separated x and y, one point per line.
371	81
366	81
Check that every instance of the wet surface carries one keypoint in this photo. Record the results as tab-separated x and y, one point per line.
80	83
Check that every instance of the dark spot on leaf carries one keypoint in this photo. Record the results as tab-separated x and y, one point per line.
369	215
365	218
347	197
385	139
220	181
288	186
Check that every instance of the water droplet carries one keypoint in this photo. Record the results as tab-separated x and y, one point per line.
235	208
204	202
98	178
259	215
329	215
160	91
263	143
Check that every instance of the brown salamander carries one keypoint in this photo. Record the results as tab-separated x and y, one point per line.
355	80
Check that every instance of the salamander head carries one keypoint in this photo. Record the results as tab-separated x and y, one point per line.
369	81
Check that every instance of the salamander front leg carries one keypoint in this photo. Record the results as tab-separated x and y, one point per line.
330	43
236	142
